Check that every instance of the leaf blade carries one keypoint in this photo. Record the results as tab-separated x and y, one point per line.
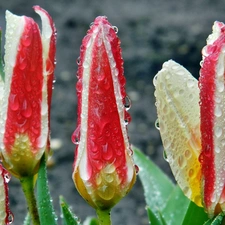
195	215
44	201
68	217
176	207
157	186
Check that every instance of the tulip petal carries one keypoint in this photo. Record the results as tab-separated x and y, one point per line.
177	97
212	108
21	113
49	62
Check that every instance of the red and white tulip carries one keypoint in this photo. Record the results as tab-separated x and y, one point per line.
192	125
104	171
26	92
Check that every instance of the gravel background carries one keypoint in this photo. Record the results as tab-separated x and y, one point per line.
151	32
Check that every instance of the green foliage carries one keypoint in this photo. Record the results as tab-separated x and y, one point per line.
195	215
44	201
166	203
68	218
91	221
216	220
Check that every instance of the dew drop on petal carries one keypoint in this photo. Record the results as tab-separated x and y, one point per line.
10	218
6	177
78	61
127	103
76	136
115	29
155	80
190	83
218	111
136	169
217	149
157	124
91	24
218	131
165	156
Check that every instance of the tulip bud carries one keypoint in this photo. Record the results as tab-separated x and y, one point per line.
25	106
212	109
104	171
177	97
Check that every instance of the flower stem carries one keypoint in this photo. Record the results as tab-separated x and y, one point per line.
27	184
104	217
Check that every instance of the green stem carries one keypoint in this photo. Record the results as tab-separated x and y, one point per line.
104	217
27	184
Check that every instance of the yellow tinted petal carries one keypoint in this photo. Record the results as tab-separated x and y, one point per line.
177	100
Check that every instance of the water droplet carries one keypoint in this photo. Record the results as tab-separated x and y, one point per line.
180	72
220	86
115	29
76	136
191	173
136	169
190	83
188	154
78	61
155	80
218	111
79	85
26	40
26	109
14	102
7	177
157	124
109	178
85	64
91	24
217	149
165	155
127	118
218	131
181	161
9	219
213	198
127	103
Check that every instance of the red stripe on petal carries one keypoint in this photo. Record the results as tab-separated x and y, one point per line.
105	139
24	103
207	110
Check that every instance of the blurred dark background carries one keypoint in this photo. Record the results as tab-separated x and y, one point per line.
151	32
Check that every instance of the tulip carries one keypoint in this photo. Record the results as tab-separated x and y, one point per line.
104	171
26	90
191	122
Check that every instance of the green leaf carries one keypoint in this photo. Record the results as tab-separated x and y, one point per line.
195	215
218	219
27	219
44	201
176	207
91	221
157	186
152	217
68	217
